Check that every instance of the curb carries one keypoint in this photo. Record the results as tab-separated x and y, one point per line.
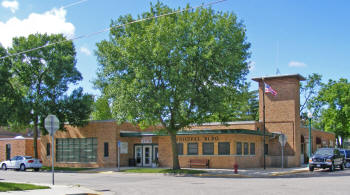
221	175
289	172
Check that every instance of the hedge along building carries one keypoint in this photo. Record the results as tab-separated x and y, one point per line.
96	144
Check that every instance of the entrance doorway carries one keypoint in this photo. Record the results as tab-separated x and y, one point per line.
145	154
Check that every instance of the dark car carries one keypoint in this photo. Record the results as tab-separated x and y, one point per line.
346	154
327	158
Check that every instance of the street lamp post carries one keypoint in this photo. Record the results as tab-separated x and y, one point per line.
309	115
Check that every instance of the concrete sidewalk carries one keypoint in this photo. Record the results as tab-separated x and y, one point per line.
253	172
55	190
219	173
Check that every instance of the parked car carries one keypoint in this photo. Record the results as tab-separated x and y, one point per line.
22	163
327	158
346	154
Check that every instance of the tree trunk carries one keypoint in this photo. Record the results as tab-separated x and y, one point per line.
36	137
176	164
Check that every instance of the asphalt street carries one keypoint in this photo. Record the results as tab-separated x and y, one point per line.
318	182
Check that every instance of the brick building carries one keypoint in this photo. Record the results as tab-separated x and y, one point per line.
96	144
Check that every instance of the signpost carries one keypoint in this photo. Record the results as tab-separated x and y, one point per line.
119	155
282	139
52	124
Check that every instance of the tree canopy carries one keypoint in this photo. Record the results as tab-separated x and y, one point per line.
43	77
333	104
174	70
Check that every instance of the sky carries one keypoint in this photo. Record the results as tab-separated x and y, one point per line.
292	36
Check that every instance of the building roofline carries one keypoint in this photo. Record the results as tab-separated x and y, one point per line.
26	138
228	131
297	76
225	123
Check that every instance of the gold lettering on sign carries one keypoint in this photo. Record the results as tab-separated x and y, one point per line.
197	139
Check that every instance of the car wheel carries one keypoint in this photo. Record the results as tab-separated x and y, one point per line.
36	169
4	167
347	165
22	167
332	168
311	168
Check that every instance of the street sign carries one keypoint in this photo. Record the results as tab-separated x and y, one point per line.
282	139
52	124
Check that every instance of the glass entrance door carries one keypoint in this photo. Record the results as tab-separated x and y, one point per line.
147	155
138	155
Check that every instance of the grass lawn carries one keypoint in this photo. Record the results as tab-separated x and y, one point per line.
65	169
4	187
160	170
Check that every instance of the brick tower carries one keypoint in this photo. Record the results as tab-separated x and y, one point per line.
282	115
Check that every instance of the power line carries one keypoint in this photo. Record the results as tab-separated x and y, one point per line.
117	26
72	4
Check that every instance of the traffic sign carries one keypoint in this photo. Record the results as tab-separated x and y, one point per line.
52	124
282	139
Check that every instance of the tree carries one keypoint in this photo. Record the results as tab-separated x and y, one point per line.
101	109
334	101
173	71
310	90
44	76
10	102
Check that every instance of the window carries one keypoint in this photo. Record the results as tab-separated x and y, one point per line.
180	148
239	148
192	149
224	148
76	149
48	149
245	149
252	148
208	148
8	151
106	149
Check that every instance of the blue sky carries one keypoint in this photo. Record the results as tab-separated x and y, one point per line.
295	36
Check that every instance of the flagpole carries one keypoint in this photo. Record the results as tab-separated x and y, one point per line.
264	123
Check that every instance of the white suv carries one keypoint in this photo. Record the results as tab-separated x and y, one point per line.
22	163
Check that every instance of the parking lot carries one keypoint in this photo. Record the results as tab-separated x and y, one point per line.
317	182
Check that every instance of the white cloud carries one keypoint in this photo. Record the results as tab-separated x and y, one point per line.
50	22
251	65
85	51
296	64
12	5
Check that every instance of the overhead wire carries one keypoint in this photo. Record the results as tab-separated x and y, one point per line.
109	28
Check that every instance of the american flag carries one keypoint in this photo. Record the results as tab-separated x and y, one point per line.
268	89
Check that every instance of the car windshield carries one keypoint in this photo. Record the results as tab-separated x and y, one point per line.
28	157
324	152
342	152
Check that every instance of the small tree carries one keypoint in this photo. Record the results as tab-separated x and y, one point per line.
174	70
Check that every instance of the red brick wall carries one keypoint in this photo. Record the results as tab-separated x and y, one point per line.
19	147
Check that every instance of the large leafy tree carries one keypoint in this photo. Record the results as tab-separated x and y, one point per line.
333	104
44	76
8	93
174	70
101	109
